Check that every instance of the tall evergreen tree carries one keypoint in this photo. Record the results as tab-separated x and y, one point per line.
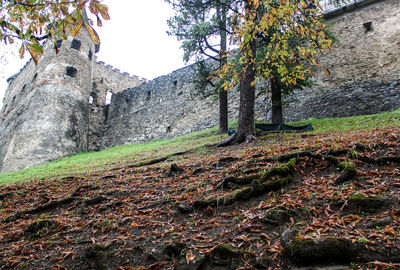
203	26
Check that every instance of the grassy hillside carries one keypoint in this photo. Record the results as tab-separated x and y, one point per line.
129	154
327	199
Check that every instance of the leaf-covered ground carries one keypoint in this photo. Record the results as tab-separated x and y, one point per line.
284	201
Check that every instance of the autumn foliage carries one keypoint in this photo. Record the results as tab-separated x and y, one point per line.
30	22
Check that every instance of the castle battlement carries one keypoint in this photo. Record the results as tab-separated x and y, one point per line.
119	72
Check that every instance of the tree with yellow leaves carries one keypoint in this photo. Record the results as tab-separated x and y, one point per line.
32	21
278	40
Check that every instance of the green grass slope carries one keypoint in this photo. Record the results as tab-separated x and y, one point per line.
129	154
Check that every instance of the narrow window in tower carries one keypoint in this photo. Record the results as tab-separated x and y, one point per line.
108	97
23	90
59	42
76	44
71	71
148	95
90	54
34	77
93	98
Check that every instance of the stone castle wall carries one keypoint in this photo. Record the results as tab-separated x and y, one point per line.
168	106
364	66
50	119
364	78
47	114
107	78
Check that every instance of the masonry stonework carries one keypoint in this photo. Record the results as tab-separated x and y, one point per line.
364	67
59	107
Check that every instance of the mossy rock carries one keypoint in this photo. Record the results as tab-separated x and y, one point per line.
96	257
381	222
321	250
41	228
348	167
225	255
331	159
277	216
359	202
277	184
174	249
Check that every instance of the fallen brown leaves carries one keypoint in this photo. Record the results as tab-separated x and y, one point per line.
131	212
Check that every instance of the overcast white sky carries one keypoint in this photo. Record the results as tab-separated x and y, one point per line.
134	41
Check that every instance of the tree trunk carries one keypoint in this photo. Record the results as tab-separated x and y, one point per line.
223	95
223	111
276	100
245	131
246	104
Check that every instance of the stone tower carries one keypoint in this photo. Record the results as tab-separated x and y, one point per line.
46	110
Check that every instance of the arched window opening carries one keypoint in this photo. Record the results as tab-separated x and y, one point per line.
90	55
108	97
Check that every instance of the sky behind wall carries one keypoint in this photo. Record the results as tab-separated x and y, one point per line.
134	41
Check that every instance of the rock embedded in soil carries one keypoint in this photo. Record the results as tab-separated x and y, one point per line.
381	222
325	250
96	258
277	216
348	172
184	208
174	249
360	203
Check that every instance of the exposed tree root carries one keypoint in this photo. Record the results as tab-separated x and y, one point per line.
286	157
348	172
48	206
5	195
154	161
259	186
276	171
155	204
334	250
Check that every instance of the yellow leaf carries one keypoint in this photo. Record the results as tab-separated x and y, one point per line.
93	34
34	55
76	29
103	11
22	51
